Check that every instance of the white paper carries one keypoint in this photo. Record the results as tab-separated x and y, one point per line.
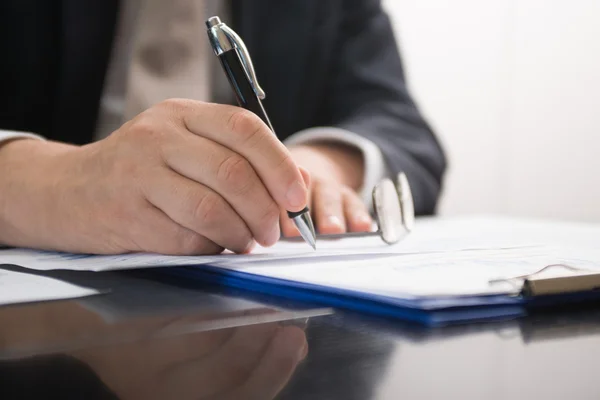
429	236
457	273
16	287
452	256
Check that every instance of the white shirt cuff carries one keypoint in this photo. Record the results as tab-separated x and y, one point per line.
10	135
375	166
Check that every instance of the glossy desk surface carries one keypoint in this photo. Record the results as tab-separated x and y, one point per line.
153	340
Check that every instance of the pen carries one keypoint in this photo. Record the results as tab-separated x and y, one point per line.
237	65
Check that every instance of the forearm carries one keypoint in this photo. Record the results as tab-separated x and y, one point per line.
27	181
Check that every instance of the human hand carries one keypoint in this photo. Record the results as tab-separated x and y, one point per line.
336	172
183	177
251	362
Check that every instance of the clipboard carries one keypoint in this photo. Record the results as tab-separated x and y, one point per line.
539	286
566	279
551	286
535	292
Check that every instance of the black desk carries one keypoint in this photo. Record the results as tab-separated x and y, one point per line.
152	340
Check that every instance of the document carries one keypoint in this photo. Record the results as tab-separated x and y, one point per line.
16	287
441	257
408	276
429	236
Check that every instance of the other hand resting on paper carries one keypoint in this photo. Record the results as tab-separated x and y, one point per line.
336	173
183	177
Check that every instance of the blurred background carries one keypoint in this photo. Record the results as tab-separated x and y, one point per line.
512	89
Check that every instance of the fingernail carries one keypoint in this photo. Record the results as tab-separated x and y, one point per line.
363	219
296	194
273	236
334	221
250	247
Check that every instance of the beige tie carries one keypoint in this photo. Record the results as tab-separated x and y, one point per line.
169	54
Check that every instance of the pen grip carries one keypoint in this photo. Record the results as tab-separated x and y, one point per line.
238	79
292	214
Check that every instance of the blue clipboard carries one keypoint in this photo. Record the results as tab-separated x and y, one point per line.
431	312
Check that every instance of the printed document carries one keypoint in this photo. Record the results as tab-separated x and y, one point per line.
441	257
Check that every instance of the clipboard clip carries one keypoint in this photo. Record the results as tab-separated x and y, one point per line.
536	284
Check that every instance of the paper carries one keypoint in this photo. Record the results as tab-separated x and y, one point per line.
16	287
429	236
441	257
459	273
450	257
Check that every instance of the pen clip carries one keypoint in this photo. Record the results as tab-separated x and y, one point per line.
223	39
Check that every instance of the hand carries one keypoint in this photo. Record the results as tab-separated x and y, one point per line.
183	177
138	359
336	172
251	362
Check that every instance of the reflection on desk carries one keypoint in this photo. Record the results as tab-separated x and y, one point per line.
151	340
250	361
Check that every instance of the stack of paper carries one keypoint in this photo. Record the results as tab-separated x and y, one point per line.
443	259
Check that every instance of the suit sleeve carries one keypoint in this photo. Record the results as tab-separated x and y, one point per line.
369	97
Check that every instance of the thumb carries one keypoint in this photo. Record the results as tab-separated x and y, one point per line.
305	176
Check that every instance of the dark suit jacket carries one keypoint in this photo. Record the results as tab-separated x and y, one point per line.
322	63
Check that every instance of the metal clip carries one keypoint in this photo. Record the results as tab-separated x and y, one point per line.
223	39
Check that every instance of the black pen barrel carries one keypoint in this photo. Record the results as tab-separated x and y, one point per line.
244	92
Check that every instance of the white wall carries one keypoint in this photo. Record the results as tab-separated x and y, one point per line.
512	88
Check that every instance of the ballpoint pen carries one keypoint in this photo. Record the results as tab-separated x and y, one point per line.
237	65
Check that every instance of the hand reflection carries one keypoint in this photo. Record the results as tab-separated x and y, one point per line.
251	362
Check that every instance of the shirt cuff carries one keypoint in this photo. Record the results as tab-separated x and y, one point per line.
10	135
375	166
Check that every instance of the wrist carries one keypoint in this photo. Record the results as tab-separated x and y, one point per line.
27	178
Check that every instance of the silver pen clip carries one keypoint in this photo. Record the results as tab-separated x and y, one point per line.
223	39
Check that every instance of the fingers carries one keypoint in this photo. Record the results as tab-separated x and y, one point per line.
198	209
336	209
227	367
328	208
356	213
288	228
244	133
305	177
230	175
286	350
160	234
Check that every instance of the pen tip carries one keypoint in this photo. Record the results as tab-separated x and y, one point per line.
306	228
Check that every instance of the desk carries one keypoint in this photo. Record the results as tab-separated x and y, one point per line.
213	345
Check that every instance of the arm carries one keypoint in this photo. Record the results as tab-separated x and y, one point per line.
5	137
120	194
369	97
